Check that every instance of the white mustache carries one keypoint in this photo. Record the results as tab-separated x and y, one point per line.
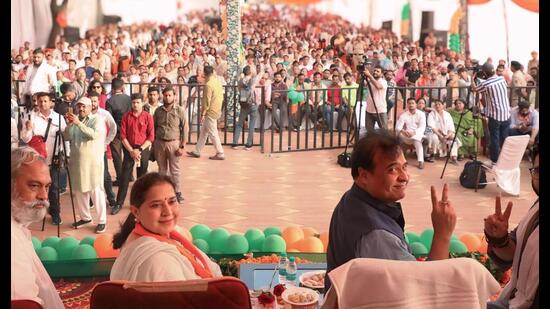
35	203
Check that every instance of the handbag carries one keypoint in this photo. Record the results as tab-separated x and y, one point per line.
38	142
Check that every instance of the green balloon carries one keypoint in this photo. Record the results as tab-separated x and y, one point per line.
426	238
418	249
272	230
201	244
200	231
65	247
36	243
217	239
47	254
51	241
274	243
453	237
255	239
88	240
236	244
83	252
412	237
457	246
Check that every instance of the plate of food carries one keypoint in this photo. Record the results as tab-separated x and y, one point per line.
300	297
313	279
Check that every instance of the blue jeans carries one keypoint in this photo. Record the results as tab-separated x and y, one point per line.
63	180
251	124
498	131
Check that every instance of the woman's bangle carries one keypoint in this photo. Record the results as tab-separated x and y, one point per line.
499	242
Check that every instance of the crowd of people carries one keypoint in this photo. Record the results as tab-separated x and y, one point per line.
116	91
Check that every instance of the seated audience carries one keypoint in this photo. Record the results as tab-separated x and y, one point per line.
470	130
441	123
410	128
151	248
524	119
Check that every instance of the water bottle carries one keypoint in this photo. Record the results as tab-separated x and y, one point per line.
291	270
283	262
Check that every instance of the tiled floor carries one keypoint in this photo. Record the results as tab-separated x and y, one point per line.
254	189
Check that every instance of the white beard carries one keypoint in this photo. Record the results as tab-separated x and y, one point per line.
26	212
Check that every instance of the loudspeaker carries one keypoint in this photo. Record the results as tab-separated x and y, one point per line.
387	25
72	34
111	19
427	21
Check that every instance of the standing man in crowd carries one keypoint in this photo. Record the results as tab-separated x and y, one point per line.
153	100
37	127
40	77
171	129
85	132
118	104
211	111
111	129
368	221
249	106
279	101
137	134
410	128
378	87
497	108
30	182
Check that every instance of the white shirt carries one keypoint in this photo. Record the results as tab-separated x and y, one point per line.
14	135
40	79
379	97
39	123
29	279
412	123
110	124
445	123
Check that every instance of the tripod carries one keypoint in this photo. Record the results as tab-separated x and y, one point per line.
59	162
455	137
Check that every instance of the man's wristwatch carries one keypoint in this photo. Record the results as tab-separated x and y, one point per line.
140	149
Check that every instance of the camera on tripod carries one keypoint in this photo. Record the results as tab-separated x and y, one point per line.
478	70
365	64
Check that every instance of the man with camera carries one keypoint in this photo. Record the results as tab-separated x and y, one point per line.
86	132
497	107
376	100
39	132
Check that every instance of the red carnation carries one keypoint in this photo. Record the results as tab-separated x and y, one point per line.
279	289
266	298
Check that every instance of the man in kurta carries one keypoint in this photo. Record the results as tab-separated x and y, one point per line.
86	164
410	128
469	131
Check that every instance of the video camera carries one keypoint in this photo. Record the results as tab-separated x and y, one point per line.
365	64
477	70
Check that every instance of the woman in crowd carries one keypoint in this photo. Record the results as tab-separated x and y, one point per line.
96	86
151	249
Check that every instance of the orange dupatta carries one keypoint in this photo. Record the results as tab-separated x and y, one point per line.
185	247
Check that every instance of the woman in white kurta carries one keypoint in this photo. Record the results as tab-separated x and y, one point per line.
442	125
151	250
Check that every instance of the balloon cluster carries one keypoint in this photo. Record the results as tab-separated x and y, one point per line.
271	239
67	248
467	242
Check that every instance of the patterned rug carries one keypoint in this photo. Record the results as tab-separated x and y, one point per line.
75	293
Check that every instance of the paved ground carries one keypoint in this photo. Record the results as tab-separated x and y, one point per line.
254	189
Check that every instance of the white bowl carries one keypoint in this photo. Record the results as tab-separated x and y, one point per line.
293	290
309	274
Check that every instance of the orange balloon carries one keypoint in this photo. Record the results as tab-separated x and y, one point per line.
184	232
471	241
324	239
292	250
103	246
309	231
311	245
483	246
291	235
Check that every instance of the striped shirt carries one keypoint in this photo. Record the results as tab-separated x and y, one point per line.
495	94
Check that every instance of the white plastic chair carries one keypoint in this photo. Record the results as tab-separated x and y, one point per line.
506	172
